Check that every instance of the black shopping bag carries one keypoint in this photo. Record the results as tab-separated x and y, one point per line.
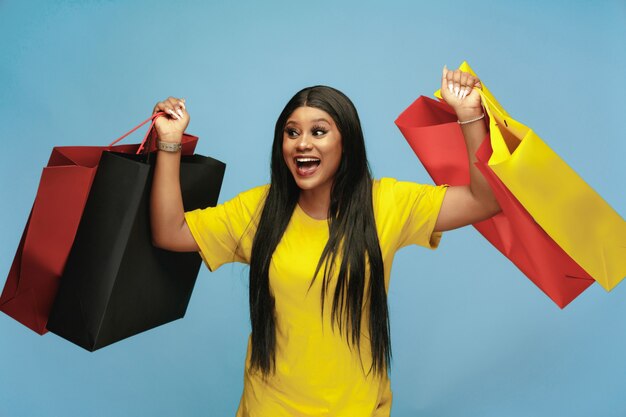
116	283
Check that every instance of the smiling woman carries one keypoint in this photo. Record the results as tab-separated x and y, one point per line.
320	240
312	150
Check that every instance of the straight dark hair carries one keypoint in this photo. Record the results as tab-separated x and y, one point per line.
352	239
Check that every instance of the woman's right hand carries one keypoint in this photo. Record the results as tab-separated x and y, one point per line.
171	126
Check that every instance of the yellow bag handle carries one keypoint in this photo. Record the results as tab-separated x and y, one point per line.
466	68
499	121
497	115
500	149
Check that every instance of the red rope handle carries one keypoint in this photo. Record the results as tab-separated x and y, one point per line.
145	138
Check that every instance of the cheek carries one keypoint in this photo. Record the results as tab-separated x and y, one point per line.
336	154
339	150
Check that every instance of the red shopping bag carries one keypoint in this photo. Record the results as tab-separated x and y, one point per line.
33	279
431	130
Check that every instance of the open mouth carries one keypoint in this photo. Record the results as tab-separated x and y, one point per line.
307	166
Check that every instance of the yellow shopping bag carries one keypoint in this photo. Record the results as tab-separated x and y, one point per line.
560	201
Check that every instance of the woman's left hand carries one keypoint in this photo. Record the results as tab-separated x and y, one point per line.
458	89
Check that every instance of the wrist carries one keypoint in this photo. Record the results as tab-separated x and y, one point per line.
468	114
472	120
172	147
170	138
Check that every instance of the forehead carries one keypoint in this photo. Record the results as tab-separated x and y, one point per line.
305	114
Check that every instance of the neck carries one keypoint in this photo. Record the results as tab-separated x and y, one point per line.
315	202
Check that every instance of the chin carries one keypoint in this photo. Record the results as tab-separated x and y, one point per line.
305	184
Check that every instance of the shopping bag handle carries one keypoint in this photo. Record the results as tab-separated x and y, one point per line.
496	114
500	149
145	138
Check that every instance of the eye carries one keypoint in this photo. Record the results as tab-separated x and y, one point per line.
318	131
291	132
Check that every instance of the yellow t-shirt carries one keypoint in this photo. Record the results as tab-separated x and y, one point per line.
317	373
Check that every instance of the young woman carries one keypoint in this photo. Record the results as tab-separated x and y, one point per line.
320	240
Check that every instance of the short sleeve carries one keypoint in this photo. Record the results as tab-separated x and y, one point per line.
409	212
224	233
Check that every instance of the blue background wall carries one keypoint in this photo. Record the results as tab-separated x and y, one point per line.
471	335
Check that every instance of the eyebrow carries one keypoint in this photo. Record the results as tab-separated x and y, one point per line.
313	121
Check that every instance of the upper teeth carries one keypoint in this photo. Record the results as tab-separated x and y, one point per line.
307	159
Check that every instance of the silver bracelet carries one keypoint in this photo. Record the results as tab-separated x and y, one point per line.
169	146
482	116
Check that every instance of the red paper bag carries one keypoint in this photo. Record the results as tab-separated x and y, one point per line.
431	130
34	276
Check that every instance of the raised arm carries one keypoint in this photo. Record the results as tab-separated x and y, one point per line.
167	215
463	205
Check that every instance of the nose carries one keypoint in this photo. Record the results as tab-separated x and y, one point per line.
304	142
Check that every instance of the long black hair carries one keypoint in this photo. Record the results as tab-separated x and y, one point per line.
352	239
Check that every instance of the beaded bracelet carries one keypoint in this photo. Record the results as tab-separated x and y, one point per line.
471	121
169	146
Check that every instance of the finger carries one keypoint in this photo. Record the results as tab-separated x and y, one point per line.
160	107
174	114
456	78
462	84
474	82
466	84
177	106
170	111
444	80
169	107
173	101
449	80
